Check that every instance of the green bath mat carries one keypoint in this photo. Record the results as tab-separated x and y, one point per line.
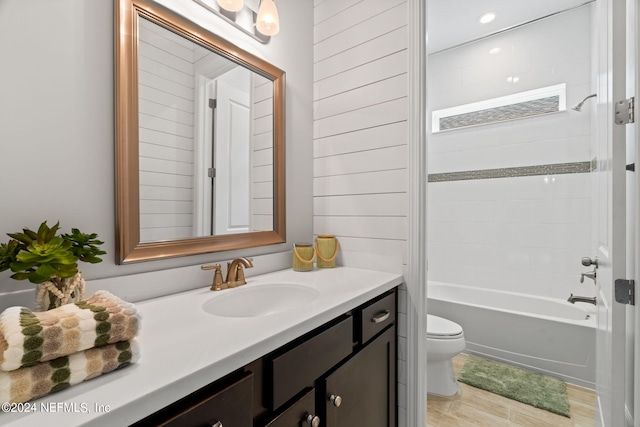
527	387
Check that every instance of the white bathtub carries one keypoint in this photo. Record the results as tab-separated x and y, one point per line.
546	335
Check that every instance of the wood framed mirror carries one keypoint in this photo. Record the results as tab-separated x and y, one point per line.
200	156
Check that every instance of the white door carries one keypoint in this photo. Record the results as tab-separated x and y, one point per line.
232	160
609	213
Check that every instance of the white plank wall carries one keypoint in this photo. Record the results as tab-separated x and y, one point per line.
360	139
166	91
261	154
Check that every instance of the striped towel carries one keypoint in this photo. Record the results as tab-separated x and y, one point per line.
28	338
43	378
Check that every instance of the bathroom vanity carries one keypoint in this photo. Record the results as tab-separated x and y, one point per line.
342	373
328	361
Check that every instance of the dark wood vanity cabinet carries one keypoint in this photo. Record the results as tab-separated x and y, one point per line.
361	392
342	374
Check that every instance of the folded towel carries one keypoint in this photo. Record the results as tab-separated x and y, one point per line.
43	378
27	338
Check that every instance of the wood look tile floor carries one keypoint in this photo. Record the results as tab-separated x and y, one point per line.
474	407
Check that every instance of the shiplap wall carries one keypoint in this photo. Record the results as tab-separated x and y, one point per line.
261	153
360	139
166	91
360	134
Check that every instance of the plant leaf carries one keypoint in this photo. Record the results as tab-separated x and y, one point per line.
20	276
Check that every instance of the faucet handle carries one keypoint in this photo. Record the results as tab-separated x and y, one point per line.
216	285
590	274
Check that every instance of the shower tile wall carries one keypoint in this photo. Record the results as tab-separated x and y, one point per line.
523	234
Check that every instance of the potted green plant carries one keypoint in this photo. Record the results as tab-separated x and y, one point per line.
50	261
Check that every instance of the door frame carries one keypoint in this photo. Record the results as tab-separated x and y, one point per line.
633	32
611	78
415	397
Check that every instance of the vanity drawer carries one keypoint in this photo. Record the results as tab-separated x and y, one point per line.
228	402
299	366
377	316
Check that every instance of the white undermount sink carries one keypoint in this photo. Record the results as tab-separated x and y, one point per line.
260	300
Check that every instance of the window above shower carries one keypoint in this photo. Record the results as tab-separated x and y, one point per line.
546	100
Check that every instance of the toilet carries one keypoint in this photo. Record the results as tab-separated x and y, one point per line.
445	339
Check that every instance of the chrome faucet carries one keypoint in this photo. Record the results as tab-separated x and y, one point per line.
235	274
574	299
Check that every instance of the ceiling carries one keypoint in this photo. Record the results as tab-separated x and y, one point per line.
454	22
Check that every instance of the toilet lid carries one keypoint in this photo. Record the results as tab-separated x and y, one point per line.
439	327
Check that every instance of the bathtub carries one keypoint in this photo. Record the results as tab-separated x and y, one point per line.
546	335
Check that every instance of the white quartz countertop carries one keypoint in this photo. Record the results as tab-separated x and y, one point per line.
184	348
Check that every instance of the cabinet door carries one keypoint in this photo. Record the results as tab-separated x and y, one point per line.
362	392
301	413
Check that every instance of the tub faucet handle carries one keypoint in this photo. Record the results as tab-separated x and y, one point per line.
590	274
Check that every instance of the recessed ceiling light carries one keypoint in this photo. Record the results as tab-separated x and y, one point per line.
494	51
487	17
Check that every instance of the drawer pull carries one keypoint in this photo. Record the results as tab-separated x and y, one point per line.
216	424
313	420
336	400
381	317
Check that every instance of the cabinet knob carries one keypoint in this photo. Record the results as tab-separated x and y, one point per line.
216	424
313	420
336	400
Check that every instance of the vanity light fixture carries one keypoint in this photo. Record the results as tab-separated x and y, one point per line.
231	5
268	22
487	17
257	19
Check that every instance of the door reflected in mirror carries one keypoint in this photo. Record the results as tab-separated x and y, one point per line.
199	139
205	141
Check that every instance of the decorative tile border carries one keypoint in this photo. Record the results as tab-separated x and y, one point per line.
552	169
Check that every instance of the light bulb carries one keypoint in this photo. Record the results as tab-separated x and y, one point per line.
268	22
231	5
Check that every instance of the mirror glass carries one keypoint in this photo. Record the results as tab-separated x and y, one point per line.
205	140
200	139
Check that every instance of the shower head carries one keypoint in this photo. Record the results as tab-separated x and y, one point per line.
579	106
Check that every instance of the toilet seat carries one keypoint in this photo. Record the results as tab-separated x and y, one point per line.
439	328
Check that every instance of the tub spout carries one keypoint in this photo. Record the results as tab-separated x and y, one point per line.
574	299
